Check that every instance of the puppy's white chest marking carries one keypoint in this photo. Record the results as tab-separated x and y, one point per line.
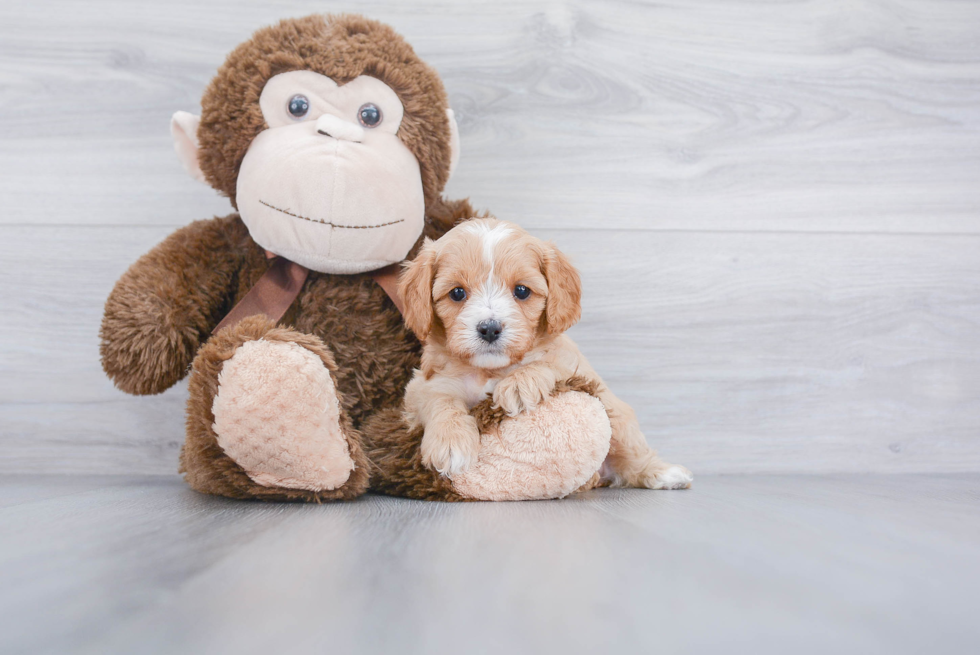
476	391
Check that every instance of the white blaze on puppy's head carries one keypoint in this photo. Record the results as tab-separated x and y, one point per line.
488	291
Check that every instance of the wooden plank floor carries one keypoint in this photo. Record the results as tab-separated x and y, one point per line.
760	564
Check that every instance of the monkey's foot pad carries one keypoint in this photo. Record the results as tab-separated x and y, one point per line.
546	453
277	415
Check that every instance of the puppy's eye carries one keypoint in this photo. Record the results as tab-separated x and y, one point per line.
521	292
458	294
298	106
369	115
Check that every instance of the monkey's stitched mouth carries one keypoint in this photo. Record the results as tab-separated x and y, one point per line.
323	222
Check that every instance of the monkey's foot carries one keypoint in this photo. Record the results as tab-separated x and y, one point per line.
265	419
277	414
547	452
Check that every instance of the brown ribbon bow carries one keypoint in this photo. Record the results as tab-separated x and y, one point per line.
278	287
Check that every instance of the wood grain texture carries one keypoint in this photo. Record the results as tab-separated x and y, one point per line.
742	115
806	564
774	205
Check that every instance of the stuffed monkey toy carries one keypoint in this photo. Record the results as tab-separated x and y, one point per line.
333	141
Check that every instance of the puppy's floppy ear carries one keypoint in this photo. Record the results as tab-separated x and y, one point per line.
415	288
564	305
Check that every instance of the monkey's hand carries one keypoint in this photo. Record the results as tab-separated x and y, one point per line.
451	443
167	303
525	388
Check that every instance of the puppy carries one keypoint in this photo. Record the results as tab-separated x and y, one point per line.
491	303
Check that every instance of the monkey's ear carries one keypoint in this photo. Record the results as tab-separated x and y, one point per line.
183	128
415	289
453	143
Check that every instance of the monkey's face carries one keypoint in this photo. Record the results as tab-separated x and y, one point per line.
326	163
329	184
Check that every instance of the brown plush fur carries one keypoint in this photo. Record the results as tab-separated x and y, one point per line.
340	47
395	449
164	307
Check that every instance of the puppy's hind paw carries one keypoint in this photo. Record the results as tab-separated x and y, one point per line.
667	476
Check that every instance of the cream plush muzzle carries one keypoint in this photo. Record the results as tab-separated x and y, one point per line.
332	205
325	191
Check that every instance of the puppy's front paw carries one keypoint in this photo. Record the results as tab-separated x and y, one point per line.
524	389
451	446
666	476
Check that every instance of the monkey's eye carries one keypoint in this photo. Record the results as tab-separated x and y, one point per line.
457	294
369	115
299	106
521	292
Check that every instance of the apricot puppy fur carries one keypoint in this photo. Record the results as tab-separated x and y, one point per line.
491	304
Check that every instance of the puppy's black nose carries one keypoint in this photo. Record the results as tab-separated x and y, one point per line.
489	330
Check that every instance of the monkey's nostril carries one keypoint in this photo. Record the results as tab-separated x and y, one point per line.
489	330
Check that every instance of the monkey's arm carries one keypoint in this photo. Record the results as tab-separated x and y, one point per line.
168	302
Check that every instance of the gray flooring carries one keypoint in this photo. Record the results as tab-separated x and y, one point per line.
760	564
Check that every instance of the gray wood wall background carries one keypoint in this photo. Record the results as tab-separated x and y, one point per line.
775	207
